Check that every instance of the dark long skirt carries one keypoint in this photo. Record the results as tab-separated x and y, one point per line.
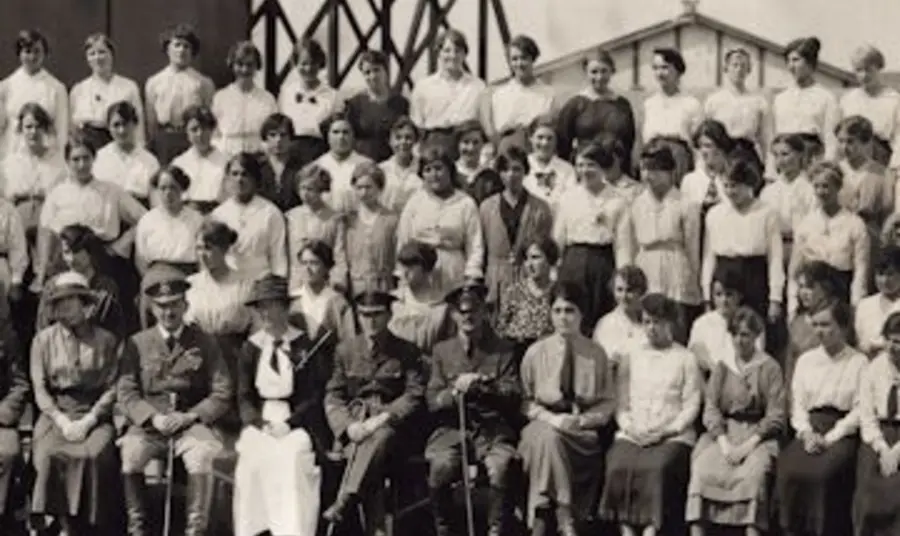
844	280
754	273
646	486
876	504
96	136
591	267
308	148
74	479
815	492
167	143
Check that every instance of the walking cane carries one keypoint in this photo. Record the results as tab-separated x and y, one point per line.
353	447
470	514
170	475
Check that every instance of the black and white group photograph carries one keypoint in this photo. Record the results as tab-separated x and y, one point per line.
449	268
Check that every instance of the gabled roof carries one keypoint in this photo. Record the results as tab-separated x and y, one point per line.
689	18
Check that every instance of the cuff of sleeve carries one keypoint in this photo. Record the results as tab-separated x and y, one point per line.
445	398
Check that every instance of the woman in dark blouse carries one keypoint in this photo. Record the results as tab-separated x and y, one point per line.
596	111
374	110
84	253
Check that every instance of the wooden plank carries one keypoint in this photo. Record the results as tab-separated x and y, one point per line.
720	56
483	14
333	40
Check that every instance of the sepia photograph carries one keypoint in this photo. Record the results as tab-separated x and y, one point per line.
449	268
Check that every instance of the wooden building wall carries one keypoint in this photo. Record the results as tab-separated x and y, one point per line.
134	26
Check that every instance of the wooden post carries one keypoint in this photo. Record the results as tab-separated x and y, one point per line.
333	41
483	13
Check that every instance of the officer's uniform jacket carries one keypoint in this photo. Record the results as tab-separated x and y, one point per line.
194	370
391	380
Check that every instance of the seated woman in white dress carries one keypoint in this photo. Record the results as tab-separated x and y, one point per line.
648	465
281	383
744	415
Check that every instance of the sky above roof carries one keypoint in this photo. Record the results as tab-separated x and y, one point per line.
564	26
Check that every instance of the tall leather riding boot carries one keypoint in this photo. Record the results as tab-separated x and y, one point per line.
441	504
199	495
498	508
135	504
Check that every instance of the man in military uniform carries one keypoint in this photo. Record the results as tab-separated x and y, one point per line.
175	385
377	385
477	367
14	394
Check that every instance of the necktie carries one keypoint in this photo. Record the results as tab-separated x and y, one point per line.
273	359
892	403
567	380
712	193
170	342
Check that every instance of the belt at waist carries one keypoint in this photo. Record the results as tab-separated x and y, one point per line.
585	245
828	410
658	246
4	255
94	125
440	130
171	127
889	422
744	417
25	198
748	259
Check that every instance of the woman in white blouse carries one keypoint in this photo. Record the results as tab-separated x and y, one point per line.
876	102
876	509
32	83
621	330
323	311
703	186
216	299
670	112
745	234
167	234
791	194
340	161
648	465
744	113
202	161
307	100
446	218
448	98
261	247
242	106
665	228
833	234
124	162
511	108
806	107
91	98
30	174
814	470
548	174
174	90
872	311
593	232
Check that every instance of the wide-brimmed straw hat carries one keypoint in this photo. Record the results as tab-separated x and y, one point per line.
269	288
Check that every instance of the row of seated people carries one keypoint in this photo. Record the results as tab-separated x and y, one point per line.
301	397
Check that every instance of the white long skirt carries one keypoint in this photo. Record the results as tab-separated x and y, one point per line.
277	484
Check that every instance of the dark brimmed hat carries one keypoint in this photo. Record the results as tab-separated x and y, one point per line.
269	288
373	302
472	293
165	284
71	284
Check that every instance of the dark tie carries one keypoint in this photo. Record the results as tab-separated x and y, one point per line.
712	193
273	359
892	403
170	342
567	381
545	178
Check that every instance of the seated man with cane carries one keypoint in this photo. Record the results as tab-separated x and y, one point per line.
174	386
474	392
377	385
